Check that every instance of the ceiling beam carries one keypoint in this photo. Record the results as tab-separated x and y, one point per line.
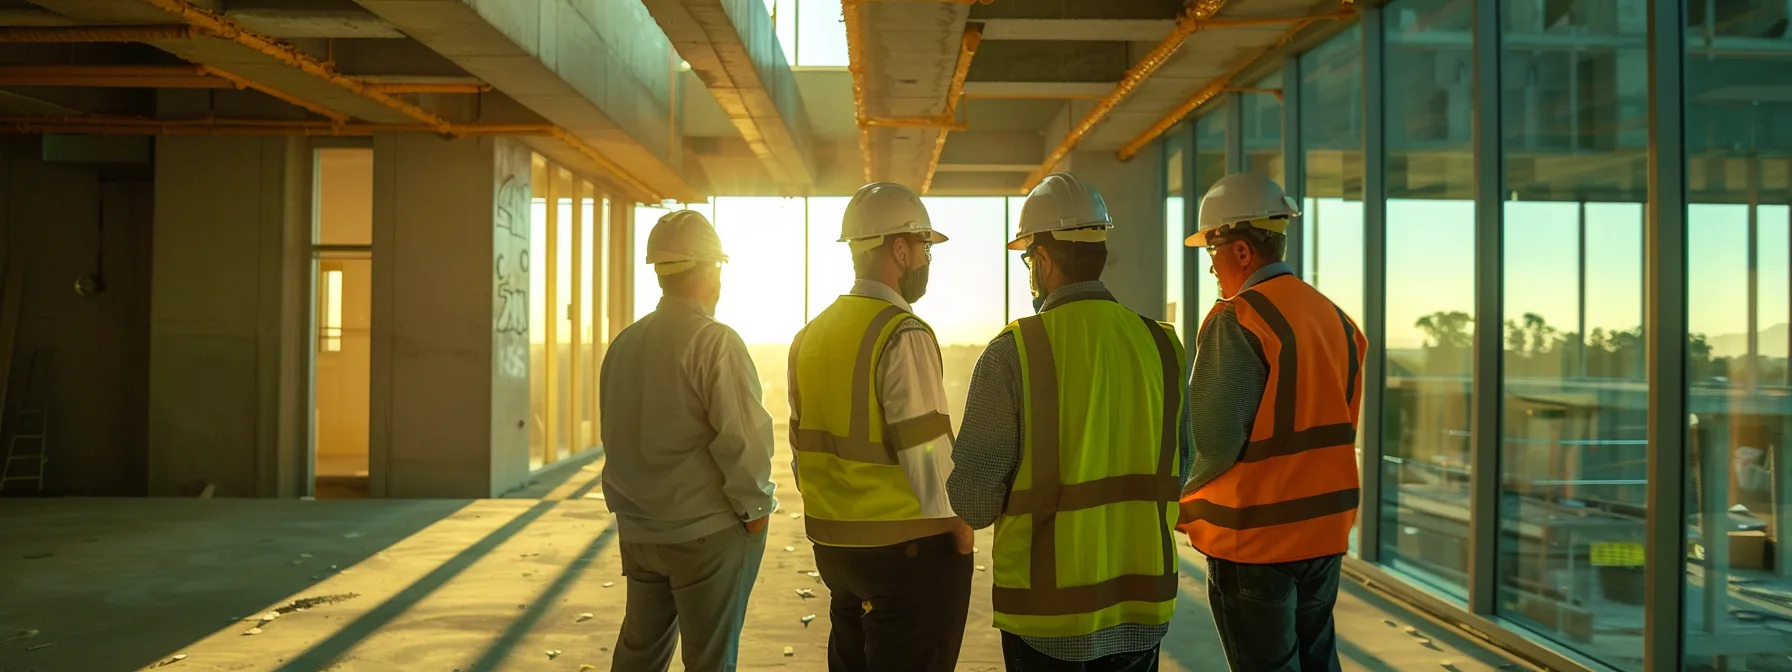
1100	30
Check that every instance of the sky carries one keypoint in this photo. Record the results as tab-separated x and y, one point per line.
810	31
768	296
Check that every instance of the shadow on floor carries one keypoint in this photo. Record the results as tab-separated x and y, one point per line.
573	479
326	652
513	635
116	587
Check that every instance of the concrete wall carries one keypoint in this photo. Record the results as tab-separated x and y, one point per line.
95	377
1134	194
224	326
450	353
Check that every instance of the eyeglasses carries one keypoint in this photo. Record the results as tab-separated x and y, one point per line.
1026	257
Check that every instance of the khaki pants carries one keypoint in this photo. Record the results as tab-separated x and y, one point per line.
699	587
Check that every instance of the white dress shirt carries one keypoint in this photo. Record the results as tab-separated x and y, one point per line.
912	385
687	440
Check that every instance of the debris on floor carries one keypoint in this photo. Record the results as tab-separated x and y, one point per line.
305	555
171	660
1448	666
982	568
584	617
553	653
1412	631
805	593
808	619
351	535
251	631
814	575
304	603
582	668
23	634
39	556
1390	623
795	516
789	652
789	549
39	646
608	584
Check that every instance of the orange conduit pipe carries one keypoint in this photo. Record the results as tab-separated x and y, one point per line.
967	48
855	64
1221	85
944	121
211	24
426	87
1135	75
99	34
223	28
242	82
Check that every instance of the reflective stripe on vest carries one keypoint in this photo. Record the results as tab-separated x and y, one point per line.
1070	587
855	492
1293	493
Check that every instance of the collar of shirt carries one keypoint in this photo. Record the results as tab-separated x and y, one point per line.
1262	275
872	289
1064	293
669	301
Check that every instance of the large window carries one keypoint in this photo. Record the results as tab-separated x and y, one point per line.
1262	130
1573	431
567	291
786	266
1331	136
1176	159
1739	469
1430	291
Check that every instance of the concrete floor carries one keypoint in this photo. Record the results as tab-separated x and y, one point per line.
112	585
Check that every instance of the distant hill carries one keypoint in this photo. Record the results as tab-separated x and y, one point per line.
1772	343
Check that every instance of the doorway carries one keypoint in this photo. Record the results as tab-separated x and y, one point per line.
342	297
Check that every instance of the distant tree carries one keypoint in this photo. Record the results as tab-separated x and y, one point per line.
1447	329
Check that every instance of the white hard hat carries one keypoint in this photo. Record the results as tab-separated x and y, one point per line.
682	239
885	209
1065	204
1243	198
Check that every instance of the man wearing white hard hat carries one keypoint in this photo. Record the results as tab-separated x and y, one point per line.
1074	446
688	454
873	449
1275	393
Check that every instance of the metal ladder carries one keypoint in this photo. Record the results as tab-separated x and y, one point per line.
30	440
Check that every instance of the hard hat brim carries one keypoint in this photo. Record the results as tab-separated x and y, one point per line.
929	235
1199	239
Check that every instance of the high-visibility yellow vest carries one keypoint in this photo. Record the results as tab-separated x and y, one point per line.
1085	541
855	492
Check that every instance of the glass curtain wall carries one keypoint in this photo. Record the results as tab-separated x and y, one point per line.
1430	290
1574	95
567	294
1331	137
1263	128
1176	160
1738	144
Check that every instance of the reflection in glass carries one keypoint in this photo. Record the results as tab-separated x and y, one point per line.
1263	128
1175	158
1430	292
539	395
1739	469
1575	396
565	418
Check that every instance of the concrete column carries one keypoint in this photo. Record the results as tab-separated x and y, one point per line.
228	237
1134	191
450	399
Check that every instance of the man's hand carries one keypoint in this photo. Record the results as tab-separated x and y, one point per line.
965	538
757	525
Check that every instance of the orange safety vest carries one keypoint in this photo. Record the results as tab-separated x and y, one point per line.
1293	493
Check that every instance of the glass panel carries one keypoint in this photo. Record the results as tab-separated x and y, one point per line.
589	263
1176	155
762	290
964	321
539	394
1739	165
1020	283
1331	135
343	375
1263	128
1430	292
564	253
1574	429
1210	166
344	196
329	301
821	34
830	264
784	22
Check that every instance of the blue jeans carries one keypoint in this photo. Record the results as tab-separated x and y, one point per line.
1276	618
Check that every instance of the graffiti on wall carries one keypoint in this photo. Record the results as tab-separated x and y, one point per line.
510	257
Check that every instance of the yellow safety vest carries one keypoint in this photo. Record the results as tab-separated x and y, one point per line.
855	492
1085	541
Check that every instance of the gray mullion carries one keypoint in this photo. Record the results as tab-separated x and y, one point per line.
1484	419
1294	165
1374	281
1234	110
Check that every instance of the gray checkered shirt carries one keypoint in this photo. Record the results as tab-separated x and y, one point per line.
987	454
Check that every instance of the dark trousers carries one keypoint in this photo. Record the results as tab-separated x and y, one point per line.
898	608
1022	657
1276	618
